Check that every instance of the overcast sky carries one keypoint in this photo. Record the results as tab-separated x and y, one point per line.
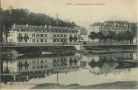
83	15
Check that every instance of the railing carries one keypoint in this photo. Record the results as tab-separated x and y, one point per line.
58	44
38	44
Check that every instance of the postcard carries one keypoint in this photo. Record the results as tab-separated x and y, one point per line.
68	44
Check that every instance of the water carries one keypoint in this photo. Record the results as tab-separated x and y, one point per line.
79	69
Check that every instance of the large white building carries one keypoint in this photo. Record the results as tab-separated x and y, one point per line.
116	27
21	34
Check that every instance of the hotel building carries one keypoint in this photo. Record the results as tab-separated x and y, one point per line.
116	27
22	34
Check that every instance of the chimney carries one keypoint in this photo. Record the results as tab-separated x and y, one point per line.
27	25
45	26
14	26
49	26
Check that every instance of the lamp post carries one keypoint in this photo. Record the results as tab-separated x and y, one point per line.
57	61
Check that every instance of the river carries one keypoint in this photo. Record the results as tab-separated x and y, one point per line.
89	69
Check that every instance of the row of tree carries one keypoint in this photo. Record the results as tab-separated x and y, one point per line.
113	36
24	16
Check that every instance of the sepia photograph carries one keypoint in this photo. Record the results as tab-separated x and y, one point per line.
68	44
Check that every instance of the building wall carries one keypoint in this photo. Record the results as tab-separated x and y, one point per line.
114	26
36	34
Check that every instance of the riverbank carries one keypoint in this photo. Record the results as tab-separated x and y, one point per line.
114	85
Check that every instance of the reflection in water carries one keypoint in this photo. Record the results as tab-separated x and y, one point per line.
74	67
106	63
102	67
27	68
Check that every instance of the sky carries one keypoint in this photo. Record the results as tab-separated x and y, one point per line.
82	12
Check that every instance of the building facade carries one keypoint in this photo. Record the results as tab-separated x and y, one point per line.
21	34
115	32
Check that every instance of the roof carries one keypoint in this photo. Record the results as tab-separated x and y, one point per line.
42	28
117	25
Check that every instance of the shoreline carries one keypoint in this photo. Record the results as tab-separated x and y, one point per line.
114	85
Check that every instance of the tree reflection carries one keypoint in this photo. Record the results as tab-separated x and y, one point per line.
102	66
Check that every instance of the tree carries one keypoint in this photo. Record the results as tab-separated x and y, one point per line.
111	36
93	35
100	36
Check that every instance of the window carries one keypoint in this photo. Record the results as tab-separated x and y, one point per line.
42	40
45	35
26	34
61	40
65	40
61	35
54	40
57	40
25	40
41	61
37	35
20	37
54	35
20	34
33	62
41	35
33	35
45	40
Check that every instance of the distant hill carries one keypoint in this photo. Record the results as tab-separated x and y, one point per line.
24	16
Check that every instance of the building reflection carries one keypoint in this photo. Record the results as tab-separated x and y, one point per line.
118	56
26	68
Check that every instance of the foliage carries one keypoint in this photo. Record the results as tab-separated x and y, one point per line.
24	16
93	35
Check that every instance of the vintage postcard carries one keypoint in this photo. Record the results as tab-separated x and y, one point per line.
68	44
